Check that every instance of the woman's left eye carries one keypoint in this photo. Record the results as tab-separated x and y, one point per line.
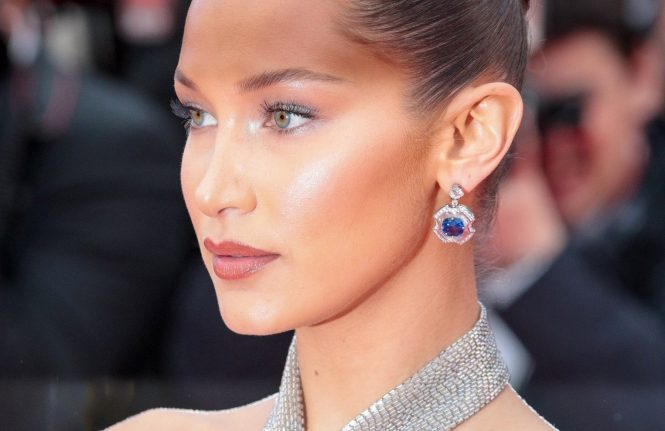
287	117
288	120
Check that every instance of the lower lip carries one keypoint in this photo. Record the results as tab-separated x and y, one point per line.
236	268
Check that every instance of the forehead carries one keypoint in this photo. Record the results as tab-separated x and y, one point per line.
581	62
240	37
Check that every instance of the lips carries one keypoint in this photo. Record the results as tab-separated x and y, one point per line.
233	261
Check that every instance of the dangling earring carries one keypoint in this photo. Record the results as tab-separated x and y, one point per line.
454	222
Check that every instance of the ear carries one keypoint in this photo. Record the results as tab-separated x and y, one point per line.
477	130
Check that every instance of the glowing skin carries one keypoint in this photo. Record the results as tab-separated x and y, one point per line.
345	200
344	197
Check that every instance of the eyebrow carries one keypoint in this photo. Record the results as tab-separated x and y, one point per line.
183	79
266	79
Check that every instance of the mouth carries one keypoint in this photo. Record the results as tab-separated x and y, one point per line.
234	261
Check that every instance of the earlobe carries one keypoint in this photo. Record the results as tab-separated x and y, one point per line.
485	122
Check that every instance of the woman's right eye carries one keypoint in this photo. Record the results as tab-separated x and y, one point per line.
200	118
194	117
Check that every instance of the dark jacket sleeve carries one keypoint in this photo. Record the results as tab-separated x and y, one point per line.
578	325
598	354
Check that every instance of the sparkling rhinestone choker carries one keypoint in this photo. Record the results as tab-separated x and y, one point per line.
451	388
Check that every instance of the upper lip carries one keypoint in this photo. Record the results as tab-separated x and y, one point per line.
231	248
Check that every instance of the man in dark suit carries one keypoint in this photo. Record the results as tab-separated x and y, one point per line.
599	77
597	349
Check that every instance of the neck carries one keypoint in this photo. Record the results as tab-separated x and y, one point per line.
349	362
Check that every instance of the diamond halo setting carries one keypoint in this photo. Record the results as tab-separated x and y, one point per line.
454	222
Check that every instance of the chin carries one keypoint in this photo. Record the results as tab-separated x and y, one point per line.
244	316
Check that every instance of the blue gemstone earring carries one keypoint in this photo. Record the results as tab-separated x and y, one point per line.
454	222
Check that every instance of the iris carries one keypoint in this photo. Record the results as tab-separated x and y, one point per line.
282	119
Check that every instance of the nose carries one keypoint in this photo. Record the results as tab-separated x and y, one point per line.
225	187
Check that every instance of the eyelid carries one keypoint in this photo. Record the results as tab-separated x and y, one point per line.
290	106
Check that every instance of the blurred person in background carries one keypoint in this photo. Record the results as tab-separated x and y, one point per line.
600	78
147	36
596	349
595	354
88	176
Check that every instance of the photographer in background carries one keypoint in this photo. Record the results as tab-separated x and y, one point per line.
600	84
583	200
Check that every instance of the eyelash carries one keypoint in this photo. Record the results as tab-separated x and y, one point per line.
182	111
293	108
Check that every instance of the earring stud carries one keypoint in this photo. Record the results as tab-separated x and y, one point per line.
453	223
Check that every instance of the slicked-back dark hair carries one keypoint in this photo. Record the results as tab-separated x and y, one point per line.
446	45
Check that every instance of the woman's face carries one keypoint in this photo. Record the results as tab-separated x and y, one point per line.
301	146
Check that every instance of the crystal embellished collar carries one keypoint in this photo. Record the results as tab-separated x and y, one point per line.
451	388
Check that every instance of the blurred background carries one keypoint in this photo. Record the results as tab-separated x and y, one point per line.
94	329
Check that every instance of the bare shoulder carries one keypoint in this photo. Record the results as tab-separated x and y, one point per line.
508	411
246	418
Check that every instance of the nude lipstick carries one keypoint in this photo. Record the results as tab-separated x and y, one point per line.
233	261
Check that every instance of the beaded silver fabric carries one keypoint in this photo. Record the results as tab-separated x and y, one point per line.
451	388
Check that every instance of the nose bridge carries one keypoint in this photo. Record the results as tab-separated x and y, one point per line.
225	186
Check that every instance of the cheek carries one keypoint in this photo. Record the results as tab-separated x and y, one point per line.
349	215
192	170
349	187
